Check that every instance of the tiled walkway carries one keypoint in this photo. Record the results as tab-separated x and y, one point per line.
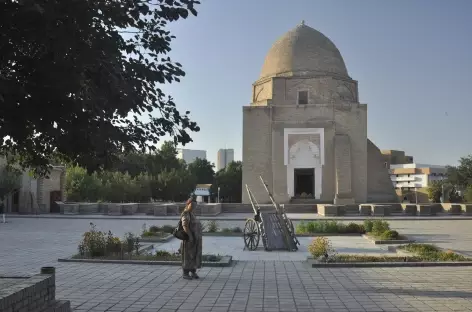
28	244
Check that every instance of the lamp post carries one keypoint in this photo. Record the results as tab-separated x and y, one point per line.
218	194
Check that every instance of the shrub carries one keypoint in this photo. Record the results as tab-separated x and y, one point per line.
226	230
311	227
162	253
93	243
320	246
368	225
380	227
354	228
167	229
154	229
131	243
237	229
389	234
301	227
211	226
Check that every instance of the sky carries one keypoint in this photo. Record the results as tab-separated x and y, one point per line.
412	60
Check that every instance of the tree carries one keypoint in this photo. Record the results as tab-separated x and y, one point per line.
77	75
435	191
202	170
9	181
462	174
229	180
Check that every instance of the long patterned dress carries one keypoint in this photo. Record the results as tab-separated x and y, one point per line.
191	251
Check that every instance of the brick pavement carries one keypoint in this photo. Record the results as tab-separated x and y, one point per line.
27	244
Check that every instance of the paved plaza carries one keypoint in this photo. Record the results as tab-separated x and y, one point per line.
262	284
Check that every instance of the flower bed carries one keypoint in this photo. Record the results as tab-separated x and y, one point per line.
328	227
324	255
157	234
429	252
379	232
103	247
211	228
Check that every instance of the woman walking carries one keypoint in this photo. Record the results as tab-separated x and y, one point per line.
191	249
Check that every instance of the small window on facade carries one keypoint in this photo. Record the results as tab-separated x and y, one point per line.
302	97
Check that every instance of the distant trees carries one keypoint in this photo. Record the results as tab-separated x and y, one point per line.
229	180
9	181
160	175
459	180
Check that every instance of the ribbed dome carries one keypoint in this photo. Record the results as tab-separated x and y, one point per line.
303	51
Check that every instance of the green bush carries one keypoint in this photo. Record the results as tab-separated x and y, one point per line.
97	244
226	230
154	229
237	229
211	226
379	227
354	228
368	225
311	227
167	229
389	234
320	246
430	252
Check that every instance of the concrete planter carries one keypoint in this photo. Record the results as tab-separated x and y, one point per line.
381	210
330	210
365	210
409	209
467	208
425	210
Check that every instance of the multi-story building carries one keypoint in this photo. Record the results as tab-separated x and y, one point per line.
413	179
393	157
224	157
190	155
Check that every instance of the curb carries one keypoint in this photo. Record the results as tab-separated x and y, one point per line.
388	242
223	234
391	264
152	239
225	261
327	234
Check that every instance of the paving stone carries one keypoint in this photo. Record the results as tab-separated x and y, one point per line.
247	286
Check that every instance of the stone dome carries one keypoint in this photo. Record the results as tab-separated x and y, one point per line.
303	51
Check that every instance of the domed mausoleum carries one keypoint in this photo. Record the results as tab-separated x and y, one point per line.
305	131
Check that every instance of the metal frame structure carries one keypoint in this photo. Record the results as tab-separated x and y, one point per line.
254	228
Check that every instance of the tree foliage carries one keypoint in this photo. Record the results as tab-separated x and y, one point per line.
435	191
9	181
202	170
461	175
76	75
229	180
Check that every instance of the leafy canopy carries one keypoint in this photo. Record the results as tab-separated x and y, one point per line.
76	75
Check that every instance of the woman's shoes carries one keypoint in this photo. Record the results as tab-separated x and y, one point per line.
194	275
187	277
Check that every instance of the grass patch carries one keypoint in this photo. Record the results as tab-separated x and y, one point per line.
154	234
432	253
366	258
326	227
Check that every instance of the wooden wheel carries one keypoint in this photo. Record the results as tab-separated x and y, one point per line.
251	234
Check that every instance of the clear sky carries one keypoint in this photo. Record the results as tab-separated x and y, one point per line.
412	59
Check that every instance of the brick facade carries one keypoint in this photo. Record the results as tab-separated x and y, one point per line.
33	294
332	105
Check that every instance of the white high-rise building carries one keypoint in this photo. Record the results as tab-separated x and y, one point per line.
190	155
225	156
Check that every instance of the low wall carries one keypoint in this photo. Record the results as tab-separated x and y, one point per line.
31	294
